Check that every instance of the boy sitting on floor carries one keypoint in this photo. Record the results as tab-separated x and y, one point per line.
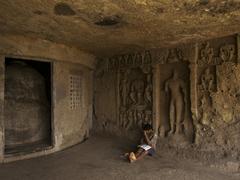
148	144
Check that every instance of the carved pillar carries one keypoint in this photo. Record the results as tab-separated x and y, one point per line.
193	85
118	98
238	48
156	98
2	78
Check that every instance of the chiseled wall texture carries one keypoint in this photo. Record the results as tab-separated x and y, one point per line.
71	120
2	75
201	80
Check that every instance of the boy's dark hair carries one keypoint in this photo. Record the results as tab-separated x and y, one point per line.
146	126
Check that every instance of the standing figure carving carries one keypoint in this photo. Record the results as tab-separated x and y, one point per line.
206	54
177	91
133	95
227	52
148	90
137	92
174	55
207	80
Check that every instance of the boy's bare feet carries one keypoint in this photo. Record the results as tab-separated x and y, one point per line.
132	157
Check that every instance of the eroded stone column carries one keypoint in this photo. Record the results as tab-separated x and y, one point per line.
2	77
156	98
193	85
238	48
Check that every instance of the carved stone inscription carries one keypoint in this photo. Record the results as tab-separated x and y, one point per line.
75	93
135	97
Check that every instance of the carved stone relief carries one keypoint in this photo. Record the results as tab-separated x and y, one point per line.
227	53
207	79
135	97
219	111
206	110
238	48
176	87
171	56
206	55
175	114
218	95
208	86
174	55
129	60
228	92
215	93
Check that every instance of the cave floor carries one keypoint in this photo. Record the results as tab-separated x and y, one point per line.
100	158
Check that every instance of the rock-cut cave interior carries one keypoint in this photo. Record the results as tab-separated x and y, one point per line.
81	79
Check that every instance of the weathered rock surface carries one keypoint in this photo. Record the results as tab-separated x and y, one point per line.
111	27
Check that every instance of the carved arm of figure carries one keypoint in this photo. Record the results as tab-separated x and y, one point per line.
203	82
166	87
210	83
184	90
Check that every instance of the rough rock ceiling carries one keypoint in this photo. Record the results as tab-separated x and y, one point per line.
107	27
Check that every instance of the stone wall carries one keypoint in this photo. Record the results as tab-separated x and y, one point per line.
71	89
189	93
218	95
73	110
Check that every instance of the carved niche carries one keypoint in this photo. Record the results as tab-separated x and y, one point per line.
207	80
175	114
135	97
227	53
207	85
135	91
174	55
207	77
206	55
176	87
218	103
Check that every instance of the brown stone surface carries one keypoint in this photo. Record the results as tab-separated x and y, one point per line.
205	97
140	43
100	158
27	110
110	27
2	81
71	119
26	47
